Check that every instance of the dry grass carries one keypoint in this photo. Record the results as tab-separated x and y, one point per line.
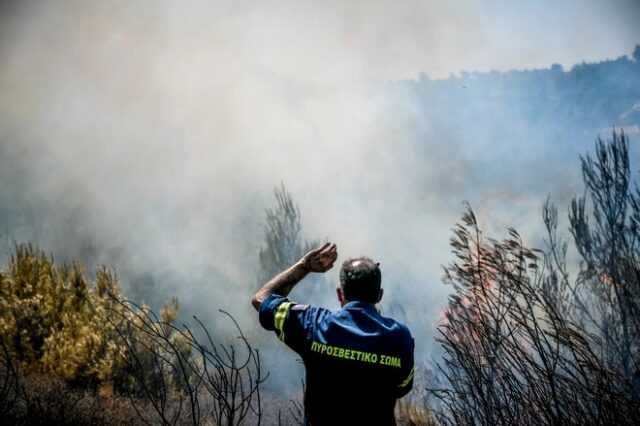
37	399
412	414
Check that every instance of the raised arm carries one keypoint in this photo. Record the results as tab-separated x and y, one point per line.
318	260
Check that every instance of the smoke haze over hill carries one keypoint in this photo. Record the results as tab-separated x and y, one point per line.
150	138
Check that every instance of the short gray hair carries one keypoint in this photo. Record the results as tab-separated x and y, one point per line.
360	279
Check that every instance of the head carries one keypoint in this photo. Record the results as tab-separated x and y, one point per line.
360	279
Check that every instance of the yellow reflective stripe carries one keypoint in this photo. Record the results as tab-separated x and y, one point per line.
281	315
407	380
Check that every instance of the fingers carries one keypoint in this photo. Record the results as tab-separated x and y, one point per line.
326	248
330	250
330	254
322	258
326	255
322	248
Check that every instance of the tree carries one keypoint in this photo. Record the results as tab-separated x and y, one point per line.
72	337
524	342
186	379
607	289
511	356
54	320
284	244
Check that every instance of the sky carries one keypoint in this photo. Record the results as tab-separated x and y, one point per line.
334	41
149	135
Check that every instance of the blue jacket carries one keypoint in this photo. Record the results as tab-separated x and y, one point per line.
357	362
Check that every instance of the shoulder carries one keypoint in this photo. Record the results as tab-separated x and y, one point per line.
399	330
299	307
309	314
277	306
396	325
404	334
403	328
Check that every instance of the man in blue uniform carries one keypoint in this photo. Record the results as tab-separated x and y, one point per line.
357	362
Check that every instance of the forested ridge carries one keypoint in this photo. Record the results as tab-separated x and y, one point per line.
586	96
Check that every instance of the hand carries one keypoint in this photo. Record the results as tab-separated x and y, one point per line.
320	259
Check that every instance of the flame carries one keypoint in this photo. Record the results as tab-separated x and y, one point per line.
608	279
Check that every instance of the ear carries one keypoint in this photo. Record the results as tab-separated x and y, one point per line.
340	295
380	295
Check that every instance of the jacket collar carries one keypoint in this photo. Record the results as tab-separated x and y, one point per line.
357	304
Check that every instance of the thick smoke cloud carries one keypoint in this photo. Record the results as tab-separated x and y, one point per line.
149	136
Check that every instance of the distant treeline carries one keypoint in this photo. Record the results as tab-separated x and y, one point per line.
589	94
491	123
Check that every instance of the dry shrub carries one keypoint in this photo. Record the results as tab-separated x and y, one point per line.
32	398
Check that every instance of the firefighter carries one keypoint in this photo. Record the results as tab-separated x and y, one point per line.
357	362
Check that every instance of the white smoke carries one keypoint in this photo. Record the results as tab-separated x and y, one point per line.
149	135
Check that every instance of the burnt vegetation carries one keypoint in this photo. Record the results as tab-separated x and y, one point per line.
530	339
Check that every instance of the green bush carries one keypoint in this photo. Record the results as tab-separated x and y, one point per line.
54	321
